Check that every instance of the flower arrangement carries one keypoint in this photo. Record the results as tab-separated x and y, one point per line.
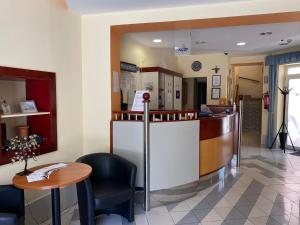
24	149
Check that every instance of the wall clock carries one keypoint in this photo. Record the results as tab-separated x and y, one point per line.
196	66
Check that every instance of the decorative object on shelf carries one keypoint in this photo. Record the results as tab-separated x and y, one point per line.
23	131
28	106
216	69
215	93
24	149
196	66
216	80
223	101
5	107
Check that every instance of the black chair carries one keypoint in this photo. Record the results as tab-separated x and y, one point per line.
12	208
110	188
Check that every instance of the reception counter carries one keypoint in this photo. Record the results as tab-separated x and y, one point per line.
218	142
183	145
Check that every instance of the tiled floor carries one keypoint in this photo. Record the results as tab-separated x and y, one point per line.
264	190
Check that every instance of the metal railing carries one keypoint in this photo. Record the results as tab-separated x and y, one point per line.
156	116
238	155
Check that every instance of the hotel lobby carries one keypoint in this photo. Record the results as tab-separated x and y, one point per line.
149	113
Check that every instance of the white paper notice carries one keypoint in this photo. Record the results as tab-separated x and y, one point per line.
138	104
44	173
116	81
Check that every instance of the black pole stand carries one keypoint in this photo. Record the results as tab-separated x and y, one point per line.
283	131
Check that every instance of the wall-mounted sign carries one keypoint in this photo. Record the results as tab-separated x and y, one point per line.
182	51
215	93
216	80
116	81
177	94
129	67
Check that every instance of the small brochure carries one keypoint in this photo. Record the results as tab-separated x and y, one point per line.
45	172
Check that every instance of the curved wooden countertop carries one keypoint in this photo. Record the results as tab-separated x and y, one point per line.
73	173
218	135
215	126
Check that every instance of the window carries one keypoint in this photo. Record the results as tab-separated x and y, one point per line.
294	70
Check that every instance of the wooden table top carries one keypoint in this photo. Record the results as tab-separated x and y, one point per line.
72	174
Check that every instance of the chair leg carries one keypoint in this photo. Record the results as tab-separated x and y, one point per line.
130	211
126	210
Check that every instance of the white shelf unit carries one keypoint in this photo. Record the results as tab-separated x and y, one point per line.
14	115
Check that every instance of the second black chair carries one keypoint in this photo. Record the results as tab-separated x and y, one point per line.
110	188
12	207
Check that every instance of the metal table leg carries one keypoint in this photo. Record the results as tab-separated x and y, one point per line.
55	195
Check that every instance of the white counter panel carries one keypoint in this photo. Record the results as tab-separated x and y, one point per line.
174	154
128	143
174	151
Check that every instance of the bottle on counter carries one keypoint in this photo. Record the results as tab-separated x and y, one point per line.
234	107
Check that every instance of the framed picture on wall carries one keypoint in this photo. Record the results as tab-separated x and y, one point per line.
215	93
216	80
28	106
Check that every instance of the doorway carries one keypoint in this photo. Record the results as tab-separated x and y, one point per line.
194	93
293	108
248	82
201	92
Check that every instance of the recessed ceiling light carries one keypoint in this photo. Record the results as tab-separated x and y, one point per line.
157	40
241	43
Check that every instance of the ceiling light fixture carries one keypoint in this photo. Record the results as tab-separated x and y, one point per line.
265	33
157	40
241	43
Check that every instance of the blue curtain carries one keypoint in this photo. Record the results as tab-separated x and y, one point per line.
273	61
273	83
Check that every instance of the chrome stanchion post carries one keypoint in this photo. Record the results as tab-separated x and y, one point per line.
146	97
238	158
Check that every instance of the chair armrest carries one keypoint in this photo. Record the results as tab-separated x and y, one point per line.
8	219
86	202
129	172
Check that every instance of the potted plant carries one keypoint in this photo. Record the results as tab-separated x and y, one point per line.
24	149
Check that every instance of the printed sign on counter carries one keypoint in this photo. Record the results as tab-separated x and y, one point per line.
138	104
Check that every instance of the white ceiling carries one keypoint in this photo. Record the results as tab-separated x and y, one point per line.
225	39
103	6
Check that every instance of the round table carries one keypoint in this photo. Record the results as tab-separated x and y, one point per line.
72	174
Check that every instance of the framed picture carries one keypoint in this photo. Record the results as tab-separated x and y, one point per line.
28	106
216	80
215	93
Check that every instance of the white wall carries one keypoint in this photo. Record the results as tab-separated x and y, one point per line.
136	53
208	61
43	35
96	54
